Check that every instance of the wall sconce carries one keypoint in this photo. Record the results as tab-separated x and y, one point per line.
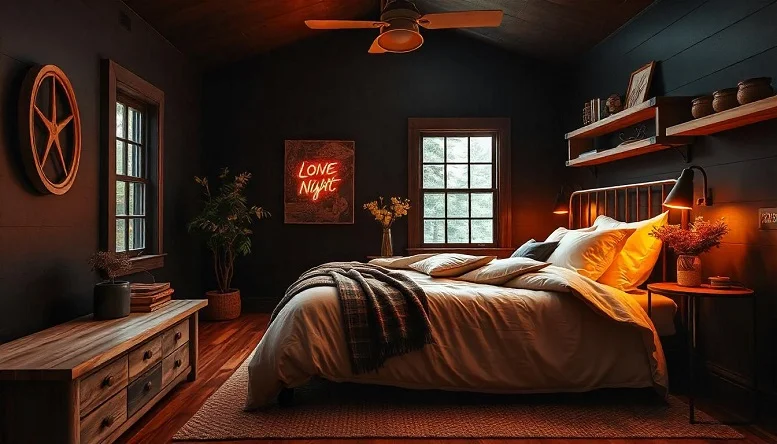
681	195
562	200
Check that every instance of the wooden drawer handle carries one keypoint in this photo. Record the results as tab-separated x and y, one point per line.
178	336
178	363
107	422
147	355
108	381
148	386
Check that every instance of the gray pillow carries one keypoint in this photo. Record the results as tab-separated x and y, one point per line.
539	251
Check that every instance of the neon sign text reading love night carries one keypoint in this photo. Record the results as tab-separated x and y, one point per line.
317	177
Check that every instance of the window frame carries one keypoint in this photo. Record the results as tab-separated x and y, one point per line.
499	128
118	82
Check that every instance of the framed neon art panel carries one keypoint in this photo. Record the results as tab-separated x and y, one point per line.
318	182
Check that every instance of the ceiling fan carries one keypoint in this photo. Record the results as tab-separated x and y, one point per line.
399	25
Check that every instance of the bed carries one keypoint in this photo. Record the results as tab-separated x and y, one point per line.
549	331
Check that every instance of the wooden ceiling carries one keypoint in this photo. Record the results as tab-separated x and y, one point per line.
217	31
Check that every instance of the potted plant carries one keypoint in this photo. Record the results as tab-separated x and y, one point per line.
385	215
225	223
111	297
700	237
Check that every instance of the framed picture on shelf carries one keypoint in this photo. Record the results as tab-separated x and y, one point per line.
639	85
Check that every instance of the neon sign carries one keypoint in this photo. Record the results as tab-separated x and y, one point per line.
317	177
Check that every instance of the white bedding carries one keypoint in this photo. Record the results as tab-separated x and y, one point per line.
557	332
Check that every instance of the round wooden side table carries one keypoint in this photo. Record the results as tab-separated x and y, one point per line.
691	295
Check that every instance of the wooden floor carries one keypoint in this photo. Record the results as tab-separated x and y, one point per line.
225	345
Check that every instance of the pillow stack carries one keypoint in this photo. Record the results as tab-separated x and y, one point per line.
450	264
589	253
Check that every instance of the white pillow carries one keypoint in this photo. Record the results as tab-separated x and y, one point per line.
502	270
450	264
589	253
400	263
560	232
633	265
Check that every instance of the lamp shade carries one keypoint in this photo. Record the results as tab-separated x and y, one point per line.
400	36
681	195
562	204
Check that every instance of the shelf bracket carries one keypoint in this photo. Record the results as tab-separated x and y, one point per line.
684	152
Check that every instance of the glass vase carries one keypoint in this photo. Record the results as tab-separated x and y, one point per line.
386	248
688	270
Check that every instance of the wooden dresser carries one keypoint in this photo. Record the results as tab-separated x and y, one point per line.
88	381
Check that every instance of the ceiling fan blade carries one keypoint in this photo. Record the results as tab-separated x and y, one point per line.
375	48
463	19
344	24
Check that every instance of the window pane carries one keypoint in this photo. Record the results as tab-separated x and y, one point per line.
120	109
458	231
458	205
434	205
483	205
480	149
121	233
481	176
434	149
433	176
135	160
135	125
483	231
137	234
458	176
137	199
121	198
434	231
457	149
121	149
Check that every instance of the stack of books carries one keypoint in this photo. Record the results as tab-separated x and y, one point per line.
146	298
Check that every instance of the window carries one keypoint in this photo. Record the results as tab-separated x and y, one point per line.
459	182
134	182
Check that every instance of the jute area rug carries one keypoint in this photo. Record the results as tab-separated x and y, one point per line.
328	410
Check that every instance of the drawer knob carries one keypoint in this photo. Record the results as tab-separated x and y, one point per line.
108	381
148	386
107	421
147	355
178	336
178	363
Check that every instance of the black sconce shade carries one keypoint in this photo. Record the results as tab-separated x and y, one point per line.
681	195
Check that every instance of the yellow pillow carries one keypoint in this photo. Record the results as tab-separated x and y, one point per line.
633	265
450	264
589	253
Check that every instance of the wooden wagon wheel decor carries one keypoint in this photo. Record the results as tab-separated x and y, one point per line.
50	129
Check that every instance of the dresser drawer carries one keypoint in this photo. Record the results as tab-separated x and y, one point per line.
144	389
173	365
102	384
175	337
103	421
145	356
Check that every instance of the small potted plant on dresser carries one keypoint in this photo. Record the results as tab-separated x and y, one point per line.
225	223
111	297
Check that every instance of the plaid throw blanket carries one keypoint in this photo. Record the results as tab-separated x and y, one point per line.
384	312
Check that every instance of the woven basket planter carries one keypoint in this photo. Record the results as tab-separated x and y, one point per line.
222	306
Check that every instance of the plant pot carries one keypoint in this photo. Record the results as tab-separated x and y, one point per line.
688	271
702	107
222	306
111	300
386	246
753	90
725	99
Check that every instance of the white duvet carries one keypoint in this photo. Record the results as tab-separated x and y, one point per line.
550	331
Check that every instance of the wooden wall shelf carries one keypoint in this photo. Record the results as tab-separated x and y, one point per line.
661	111
639	147
725	120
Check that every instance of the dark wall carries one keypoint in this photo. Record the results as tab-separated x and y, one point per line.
702	46
46	240
330	88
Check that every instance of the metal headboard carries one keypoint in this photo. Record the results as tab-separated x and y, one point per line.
627	203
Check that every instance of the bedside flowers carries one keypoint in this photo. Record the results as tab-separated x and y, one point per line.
386	215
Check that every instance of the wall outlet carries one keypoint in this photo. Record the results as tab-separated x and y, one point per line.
767	218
